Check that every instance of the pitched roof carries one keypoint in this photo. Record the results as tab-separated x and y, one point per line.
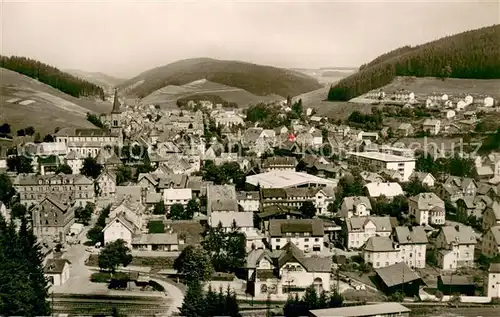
495	231
397	274
382	309
415	235
291	253
427	201
420	175
385	189
155	238
352	201
358	223
494	268
242	219
123	220
280	227
459	234
495	210
55	266
379	244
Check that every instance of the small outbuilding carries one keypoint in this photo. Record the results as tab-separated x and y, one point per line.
57	271
452	284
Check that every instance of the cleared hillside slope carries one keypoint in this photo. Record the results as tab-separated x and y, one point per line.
27	102
256	79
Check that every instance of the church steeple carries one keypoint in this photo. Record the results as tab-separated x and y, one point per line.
116	103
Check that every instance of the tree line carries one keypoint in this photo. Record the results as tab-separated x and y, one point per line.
51	76
471	54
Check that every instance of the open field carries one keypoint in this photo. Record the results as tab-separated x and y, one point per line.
429	85
167	96
27	102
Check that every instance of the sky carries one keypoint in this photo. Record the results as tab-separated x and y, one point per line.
124	38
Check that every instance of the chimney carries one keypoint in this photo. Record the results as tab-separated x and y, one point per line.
457	228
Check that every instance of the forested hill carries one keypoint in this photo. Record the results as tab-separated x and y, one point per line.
471	54
51	76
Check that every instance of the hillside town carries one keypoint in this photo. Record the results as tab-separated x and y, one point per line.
275	204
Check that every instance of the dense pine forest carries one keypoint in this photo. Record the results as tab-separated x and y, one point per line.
471	54
51	76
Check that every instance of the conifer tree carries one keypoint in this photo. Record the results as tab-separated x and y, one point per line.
194	301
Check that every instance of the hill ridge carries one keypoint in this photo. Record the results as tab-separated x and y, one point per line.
257	79
470	54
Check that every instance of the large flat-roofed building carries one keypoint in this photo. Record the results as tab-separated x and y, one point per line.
404	165
378	310
287	179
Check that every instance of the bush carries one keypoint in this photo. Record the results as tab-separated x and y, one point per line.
100	277
156	226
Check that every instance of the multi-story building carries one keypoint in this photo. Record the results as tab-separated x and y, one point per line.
380	252
222	207
87	142
411	242
173	196
359	229
455	246
73	188
249	201
491	216
306	234
280	272
295	197
490	246
427	208
355	206
106	184
279	163
75	161
493	283
406	245
52	218
404	165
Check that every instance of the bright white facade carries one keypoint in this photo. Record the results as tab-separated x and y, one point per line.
404	165
493	283
172	196
118	228
360	229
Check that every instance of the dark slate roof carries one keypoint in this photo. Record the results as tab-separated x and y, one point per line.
279	227
397	274
55	266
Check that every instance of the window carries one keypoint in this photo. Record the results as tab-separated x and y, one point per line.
306	246
306	240
378	263
317	239
278	240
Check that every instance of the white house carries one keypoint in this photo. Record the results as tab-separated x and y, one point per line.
427	208
360	229
380	252
306	234
249	201
493	286
355	206
281	271
388	190
455	246
412	245
119	228
424	178
433	126
173	196
242	220
57	271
